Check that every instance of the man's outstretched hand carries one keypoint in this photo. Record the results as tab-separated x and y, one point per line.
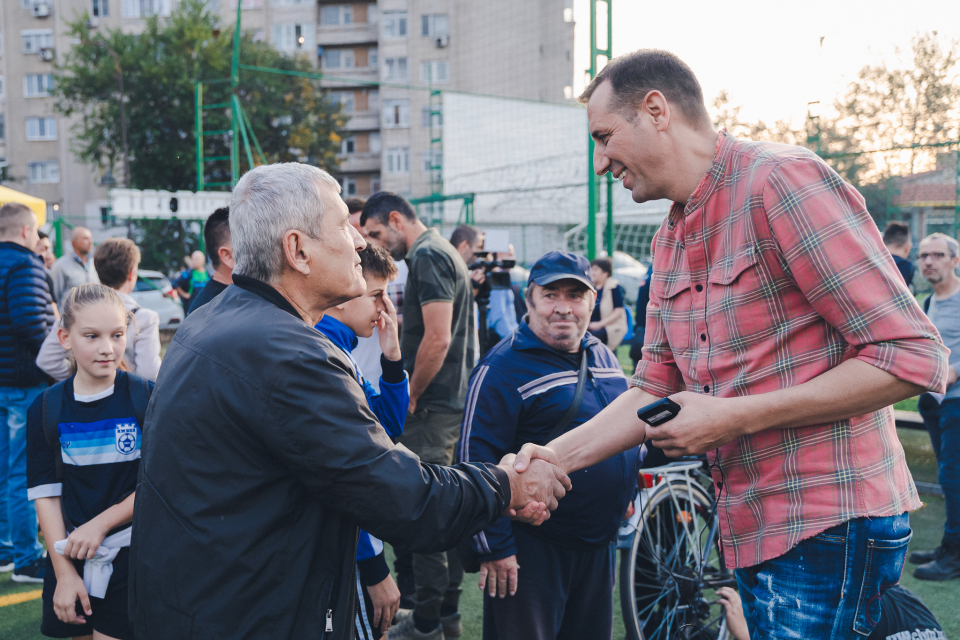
536	492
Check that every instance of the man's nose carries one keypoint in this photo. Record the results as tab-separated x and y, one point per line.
601	163
358	241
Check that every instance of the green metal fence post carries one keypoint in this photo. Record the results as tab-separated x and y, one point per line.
593	181
235	116
198	117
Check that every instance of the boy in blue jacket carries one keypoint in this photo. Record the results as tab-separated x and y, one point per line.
379	597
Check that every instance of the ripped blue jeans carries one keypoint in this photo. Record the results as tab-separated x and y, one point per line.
829	586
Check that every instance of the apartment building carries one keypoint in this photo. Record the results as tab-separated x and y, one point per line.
34	139
498	47
521	49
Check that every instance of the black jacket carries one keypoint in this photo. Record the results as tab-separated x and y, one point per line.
260	461
26	315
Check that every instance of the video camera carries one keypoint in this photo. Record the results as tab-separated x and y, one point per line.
496	272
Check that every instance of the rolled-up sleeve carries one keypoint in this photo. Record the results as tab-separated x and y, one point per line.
836	256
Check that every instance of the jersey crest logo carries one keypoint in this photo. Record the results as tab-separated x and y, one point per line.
126	434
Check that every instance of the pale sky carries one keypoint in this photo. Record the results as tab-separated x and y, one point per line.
766	53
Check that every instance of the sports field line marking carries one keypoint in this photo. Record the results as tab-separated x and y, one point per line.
17	598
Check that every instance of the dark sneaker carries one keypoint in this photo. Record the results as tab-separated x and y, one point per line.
405	629
32	572
6	564
923	557
945	567
452	628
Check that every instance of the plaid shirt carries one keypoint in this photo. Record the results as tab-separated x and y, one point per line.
772	274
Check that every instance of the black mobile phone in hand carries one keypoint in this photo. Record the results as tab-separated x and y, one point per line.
659	412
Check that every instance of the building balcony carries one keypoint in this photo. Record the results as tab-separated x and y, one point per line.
349	77
360	33
359	162
363	120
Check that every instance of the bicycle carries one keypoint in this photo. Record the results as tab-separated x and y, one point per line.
671	562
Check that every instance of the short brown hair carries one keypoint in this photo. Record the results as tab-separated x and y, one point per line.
896	234
114	259
604	264
377	263
634	75
355	205
14	217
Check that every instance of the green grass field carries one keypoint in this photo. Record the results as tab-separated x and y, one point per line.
22	621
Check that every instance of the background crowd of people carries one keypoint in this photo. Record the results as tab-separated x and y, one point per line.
226	499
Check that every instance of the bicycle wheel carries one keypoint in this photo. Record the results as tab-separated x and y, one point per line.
669	575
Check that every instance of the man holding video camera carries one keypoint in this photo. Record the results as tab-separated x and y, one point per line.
439	353
781	327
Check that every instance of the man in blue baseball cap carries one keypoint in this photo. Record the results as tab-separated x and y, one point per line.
525	389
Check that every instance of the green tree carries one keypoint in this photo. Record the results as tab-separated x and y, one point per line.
906	106
290	116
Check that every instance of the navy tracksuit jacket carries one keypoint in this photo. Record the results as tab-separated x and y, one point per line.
518	393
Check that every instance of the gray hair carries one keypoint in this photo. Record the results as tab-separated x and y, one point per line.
952	245
266	203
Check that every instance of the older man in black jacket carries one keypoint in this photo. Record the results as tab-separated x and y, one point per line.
260	456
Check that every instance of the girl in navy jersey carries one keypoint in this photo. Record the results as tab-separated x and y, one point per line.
83	455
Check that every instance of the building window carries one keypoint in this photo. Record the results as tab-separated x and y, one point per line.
435	72
373	57
373	16
291	3
1	86
36	39
41	129
100	8
349	186
147	8
374	184
291	37
398	160
37	85
3	128
425	118
332	15
348	145
425	157
394	24
44	172
396	114
395	69
373	99
433	25
375	142
346	100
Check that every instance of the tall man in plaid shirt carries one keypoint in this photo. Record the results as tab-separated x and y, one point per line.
779	323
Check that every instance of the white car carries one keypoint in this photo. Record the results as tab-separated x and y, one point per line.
154	291
631	274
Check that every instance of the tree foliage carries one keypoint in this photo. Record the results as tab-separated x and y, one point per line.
290	116
915	103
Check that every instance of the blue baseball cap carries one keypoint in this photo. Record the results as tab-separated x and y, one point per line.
559	265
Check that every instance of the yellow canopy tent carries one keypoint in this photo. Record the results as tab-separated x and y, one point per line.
39	206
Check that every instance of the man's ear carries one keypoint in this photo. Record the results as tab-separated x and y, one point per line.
656	107
396	220
296	251
226	256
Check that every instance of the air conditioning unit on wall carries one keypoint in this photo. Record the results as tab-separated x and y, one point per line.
93	22
442	41
40	9
47	54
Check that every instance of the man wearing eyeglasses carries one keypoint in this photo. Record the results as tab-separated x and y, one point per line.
939	255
